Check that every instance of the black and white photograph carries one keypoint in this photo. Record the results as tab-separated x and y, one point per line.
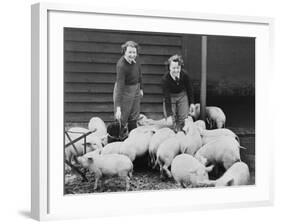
154	111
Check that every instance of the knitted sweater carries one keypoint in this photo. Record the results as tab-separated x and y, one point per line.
127	74
170	86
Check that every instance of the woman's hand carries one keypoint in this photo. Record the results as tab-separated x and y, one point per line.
169	121
118	113
141	93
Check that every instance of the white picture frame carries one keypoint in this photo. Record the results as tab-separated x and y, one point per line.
48	201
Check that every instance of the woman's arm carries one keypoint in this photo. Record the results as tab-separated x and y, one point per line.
140	80
120	83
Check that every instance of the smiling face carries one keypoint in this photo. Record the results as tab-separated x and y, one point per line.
175	68
130	54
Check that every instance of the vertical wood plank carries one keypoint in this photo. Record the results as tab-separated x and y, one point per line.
203	78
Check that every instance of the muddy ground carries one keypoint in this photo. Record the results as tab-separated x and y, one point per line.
147	179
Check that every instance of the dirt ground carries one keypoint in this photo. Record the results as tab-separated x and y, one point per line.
147	179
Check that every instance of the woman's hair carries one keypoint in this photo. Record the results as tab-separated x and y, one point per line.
131	44
175	58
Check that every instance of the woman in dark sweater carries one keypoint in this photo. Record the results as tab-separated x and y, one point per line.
177	91
128	86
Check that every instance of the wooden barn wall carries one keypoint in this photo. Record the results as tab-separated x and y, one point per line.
90	68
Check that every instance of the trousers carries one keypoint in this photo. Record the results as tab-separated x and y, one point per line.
130	105
180	109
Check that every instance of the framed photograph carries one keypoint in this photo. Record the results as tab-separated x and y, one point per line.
148	111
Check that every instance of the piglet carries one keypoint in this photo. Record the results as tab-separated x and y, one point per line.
107	166
201	124
224	150
166	152
112	148
237	174
92	143
210	135
192	140
159	136
215	117
188	171
97	124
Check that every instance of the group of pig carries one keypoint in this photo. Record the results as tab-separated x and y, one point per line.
186	156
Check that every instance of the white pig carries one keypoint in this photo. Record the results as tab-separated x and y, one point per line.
142	129
159	136
112	148
166	152
201	124
237	174
224	150
195	113
136	145
107	165
92	143
192	140
97	124
209	135
164	122
188	171
214	115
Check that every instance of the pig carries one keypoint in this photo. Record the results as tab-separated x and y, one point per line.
201	124
136	145
164	122
107	166
181	137
209	135
128	149
192	141
97	125
112	148
166	152
159	136
207	139
188	171
143	129
237	174
214	115
195	112
92	143
224	150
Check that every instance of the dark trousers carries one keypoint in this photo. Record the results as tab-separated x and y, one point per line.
130	105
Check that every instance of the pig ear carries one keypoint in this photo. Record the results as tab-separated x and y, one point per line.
230	182
209	168
90	160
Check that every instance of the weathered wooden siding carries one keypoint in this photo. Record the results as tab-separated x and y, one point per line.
90	63
90	70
